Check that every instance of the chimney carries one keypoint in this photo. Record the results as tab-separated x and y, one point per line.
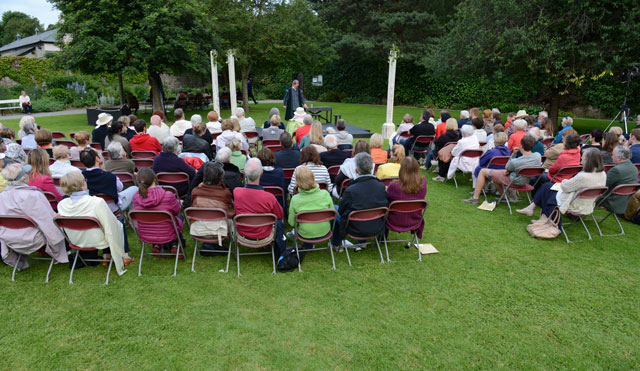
18	36
37	31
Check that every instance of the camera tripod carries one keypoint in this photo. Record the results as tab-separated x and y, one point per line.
624	109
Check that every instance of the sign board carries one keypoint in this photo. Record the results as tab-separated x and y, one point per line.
316	80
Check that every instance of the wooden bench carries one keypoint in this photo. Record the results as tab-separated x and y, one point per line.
9	104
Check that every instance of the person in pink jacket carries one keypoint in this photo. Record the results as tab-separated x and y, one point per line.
40	176
152	197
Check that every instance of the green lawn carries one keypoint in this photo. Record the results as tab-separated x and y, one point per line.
492	298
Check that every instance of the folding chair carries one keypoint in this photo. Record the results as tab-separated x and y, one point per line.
214	149
497	162
590	193
525	172
422	142
155	217
343	186
56	181
365	215
252	135
376	165
273	148
23	222
78	164
142	162
471	153
547	141
67	143
96	146
197	214
288	173
254	221
80	223
277	192
53	200
58	135
51	161
171	178
105	155
567	171
143	154
315	216
72	135
388	180
125	177
405	207
271	142
619	190
608	167
214	136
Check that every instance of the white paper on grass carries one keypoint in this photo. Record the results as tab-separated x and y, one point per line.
426	248
488	206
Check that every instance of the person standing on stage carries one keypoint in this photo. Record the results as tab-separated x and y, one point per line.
293	98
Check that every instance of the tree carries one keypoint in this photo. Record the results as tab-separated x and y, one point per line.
121	36
266	35
18	23
550	45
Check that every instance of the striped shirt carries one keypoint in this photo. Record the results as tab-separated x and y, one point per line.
319	172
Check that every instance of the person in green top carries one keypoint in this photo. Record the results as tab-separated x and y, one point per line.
237	157
309	197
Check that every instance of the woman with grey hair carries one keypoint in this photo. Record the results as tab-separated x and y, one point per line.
168	161
232	175
117	162
29	140
23	121
468	141
15	153
273	112
21	200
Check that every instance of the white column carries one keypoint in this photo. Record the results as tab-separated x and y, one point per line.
232	82
388	127
215	95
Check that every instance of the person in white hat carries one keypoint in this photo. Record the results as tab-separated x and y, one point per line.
102	127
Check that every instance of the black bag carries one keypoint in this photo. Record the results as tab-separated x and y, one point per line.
289	260
636	218
210	250
91	254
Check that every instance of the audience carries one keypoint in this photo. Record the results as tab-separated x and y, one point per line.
450	136
567	123
500	149
519	127
488	119
441	128
195	143
502	178
546	128
129	132
310	158
99	134
464	119
272	130
497	128
62	164
82	138
464	164
610	143
23	121
232	175
392	168
377	153
18	199
274	122
554	151
115	134
237	157
195	121
288	157
214	125
303	130
152	197
345	140
158	129
334	156
404	127
43	139
29	138
271	175
410	186
143	141
7	135
180	126
314	138
111	238
252	199
569	157
595	140
40	175
634	145
479	131
168	161
117	162
623	173
425	127
228	134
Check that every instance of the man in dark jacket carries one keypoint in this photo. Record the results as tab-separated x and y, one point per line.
232	175
293	98
364	192
288	157
423	128
195	143
333	156
623	173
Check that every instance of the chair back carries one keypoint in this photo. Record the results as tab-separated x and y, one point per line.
251	134
568	171
408	206
203	214
274	148
376	165
67	143
150	216
72	135
425	139
214	136
500	161
608	167
274	190
106	198
17	222
58	135
472	153
585	138
323	185
214	148
482	144
316	216
51	198
77	223
344	186
530	172
105	155
51	161
547	141
334	170
388	180
124	177
591	192
56	182
405	134
96	146
171	189
255	221
625	189
368	214
78	164
350	150
446	144
143	154
271	142
142	162
637	165
288	173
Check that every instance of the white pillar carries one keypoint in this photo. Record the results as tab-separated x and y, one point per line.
232	82
388	127
215	95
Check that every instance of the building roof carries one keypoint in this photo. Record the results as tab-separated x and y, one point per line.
47	37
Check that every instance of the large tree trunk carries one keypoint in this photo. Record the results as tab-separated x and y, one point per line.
121	88
244	72
555	108
156	94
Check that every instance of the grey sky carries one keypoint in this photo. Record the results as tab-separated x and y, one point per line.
40	9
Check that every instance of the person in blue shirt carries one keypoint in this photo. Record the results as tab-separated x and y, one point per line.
634	145
567	123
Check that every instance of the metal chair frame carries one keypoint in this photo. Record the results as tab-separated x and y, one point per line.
194	214
425	142
376	213
588	193
471	153
262	223
619	190
143	154
529	172
406	207
500	161
326	215
170	178
10	221
142	162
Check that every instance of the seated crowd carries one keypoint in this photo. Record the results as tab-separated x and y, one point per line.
223	167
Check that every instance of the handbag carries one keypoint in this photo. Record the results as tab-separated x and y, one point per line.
549	229
444	154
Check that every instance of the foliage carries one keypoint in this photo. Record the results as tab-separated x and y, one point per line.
17	23
24	70
48	104
60	95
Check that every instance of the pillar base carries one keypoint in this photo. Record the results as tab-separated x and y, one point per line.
388	128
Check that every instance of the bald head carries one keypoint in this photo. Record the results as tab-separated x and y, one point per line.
155	120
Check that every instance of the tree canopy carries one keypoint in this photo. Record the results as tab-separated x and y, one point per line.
17	23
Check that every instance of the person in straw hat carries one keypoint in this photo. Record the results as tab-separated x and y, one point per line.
99	134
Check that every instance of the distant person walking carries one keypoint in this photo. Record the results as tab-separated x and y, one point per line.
250	91
25	102
293	98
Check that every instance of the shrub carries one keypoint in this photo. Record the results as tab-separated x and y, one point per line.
48	104
61	95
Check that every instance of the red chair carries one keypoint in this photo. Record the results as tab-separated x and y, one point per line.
350	150
585	138
376	165
125	177
343	186
56	182
547	141
288	173
471	153
78	164
108	199
608	167
497	162
72	135
543	159
155	217
254	221
142	162
567	172
67	143
423	143
58	135
366	215
388	180
143	154
405	134
591	193
406	207
273	148
51	161
171	189
528	172
271	142
23	222
214	136
619	190
315	216
96	146
171	178
80	223
251	135
637	165
197	214
333	170
53	200
105	155
277	192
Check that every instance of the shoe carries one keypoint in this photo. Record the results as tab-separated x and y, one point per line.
436	170
155	252
291	234
471	200
174	250
434	163
128	261
439	179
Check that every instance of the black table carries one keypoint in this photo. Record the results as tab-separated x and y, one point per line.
328	112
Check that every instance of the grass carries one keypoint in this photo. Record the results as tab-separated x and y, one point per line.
492	298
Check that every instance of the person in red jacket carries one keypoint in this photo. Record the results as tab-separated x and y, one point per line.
143	141
570	156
